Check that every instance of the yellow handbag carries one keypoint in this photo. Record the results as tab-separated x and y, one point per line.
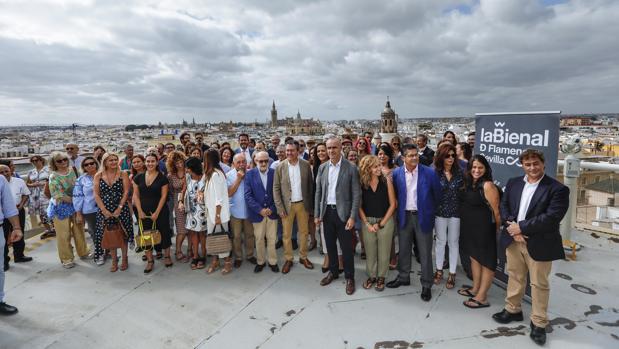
147	239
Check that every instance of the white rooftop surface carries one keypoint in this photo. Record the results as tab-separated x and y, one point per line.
89	307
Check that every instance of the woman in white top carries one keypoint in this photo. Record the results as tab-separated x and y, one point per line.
37	206
217	205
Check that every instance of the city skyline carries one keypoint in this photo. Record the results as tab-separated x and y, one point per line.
108	63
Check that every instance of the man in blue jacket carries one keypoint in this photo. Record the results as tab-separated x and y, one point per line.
418	190
261	211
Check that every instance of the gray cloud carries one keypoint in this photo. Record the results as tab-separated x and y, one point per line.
332	59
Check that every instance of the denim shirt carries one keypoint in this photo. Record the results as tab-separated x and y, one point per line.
84	196
238	207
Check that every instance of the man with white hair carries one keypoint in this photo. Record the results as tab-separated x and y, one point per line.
241	226
74	158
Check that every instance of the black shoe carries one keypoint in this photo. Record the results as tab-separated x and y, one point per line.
395	283
6	309
259	268
426	294
252	260
274	268
23	259
324	270
505	317
6	266
538	334
279	244
295	245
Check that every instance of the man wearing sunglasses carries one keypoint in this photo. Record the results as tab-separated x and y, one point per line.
74	158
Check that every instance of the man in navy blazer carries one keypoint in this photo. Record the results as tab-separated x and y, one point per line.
418	190
245	149
531	210
261	211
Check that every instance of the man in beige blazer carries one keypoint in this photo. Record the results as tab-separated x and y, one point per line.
292	193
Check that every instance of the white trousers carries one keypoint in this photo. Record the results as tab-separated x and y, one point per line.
447	232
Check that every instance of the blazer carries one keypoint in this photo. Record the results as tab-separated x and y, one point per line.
426	157
549	204
282	190
347	191
429	193
251	152
257	197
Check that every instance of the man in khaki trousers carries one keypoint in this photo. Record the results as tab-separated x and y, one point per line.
292	193
531	209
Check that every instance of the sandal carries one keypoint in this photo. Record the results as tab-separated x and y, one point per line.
451	281
438	277
149	267
159	255
144	258
114	267
214	265
380	284
201	262
393	263
168	265
227	267
369	283
477	304
180	256
194	264
125	264
466	291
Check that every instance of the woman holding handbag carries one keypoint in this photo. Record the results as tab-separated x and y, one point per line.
150	193
111	188
195	212
217	208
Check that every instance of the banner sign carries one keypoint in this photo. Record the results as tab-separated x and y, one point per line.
502	137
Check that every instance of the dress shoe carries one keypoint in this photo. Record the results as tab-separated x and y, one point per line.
505	317
295	244
23	259
324	270
252	260
259	268
279	244
350	286
306	263
287	266
237	263
395	283
426	294
274	268
538	334
327	279
6	309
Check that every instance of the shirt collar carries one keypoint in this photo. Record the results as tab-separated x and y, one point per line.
535	183
338	163
413	172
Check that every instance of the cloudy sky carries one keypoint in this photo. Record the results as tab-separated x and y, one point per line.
112	61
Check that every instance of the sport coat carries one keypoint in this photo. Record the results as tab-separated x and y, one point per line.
549	204
347	191
426	157
257	197
282	189
429	192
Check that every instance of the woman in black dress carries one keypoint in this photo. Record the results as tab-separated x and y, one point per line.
150	192
479	223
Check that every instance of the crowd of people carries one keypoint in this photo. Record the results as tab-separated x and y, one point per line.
391	201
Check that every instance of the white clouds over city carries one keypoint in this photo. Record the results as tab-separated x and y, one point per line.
146	61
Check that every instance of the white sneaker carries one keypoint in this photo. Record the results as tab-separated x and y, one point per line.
68	265
100	261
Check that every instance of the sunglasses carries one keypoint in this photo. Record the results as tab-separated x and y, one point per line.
37	159
62	160
262	161
86	164
396	144
69	148
451	155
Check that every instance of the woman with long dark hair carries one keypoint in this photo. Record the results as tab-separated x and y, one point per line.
451	137
464	151
396	145
176	177
480	222
196	221
447	221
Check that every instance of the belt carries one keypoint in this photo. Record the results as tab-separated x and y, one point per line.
411	211
332	207
296	202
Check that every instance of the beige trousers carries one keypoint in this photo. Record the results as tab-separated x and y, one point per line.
244	228
297	210
65	228
267	228
518	264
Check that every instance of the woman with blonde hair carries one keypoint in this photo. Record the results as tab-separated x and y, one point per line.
61	182
378	204
111	187
178	185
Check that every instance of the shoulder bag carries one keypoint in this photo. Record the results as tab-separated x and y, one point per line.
147	239
114	235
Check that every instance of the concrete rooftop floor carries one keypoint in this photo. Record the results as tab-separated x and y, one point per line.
179	308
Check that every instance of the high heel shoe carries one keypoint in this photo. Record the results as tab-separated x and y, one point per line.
214	265
125	264
149	266
168	259
114	267
325	269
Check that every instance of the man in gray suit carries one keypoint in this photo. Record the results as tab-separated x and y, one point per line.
292	193
338	195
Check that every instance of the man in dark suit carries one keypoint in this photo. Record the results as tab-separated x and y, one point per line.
245	148
531	209
336	204
418	190
426	155
262	212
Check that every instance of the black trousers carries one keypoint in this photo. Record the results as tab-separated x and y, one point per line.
18	246
335	230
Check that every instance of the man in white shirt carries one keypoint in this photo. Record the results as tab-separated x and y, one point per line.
241	226
21	194
292	193
74	158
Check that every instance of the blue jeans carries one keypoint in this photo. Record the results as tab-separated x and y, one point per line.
2	242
